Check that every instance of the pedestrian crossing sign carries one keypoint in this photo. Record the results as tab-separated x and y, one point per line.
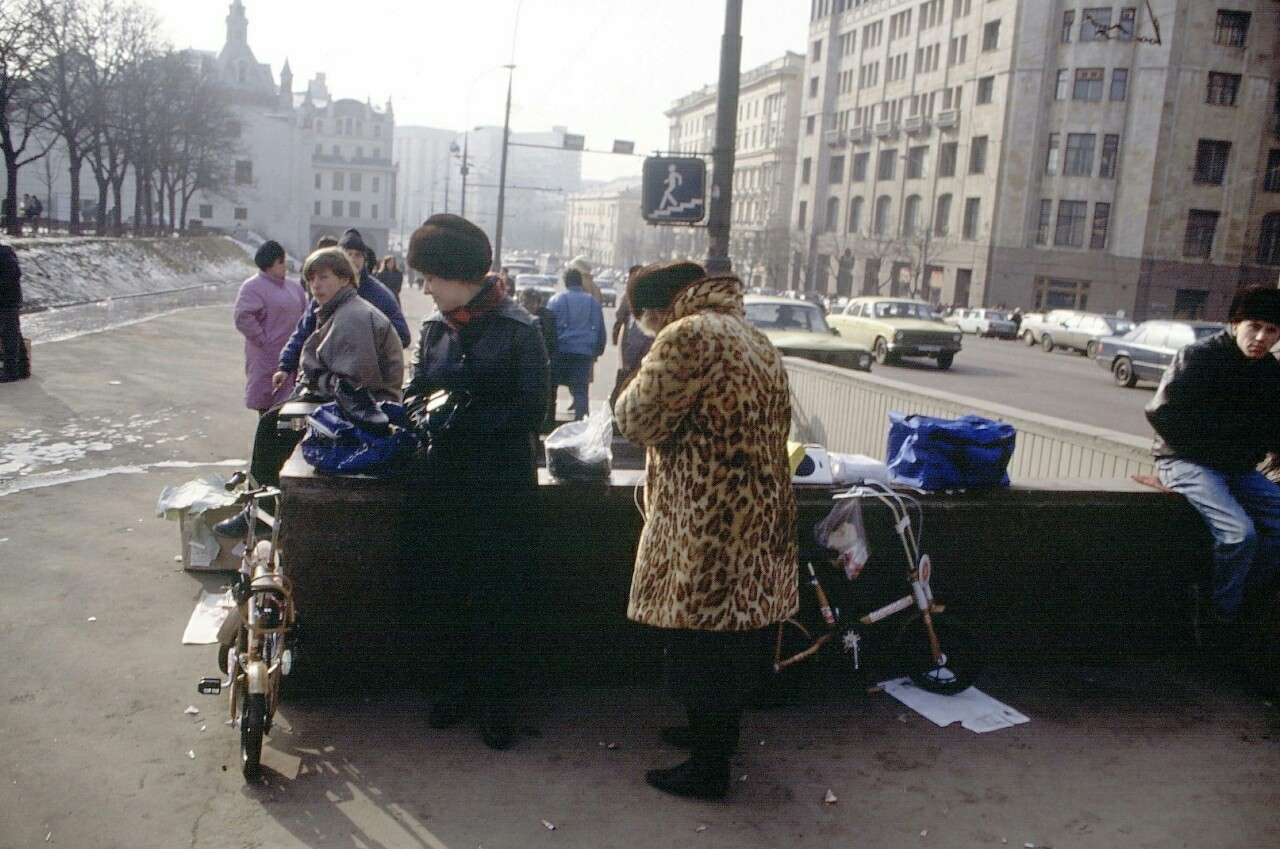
675	189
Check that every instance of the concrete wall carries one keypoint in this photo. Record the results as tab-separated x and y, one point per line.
849	412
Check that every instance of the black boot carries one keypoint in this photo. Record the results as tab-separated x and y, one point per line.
713	737
237	527
680	736
497	728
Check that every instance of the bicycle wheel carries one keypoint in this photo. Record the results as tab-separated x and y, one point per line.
253	718
961	656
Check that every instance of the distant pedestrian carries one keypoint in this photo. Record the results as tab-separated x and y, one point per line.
633	343
583	266
267	309
33	210
532	303
716	566
580	339
390	275
16	364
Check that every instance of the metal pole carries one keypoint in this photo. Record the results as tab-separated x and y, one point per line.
720	208
466	143
502	175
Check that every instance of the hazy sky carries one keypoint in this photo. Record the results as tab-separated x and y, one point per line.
605	69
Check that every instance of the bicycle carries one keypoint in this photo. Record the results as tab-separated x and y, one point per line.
924	659
256	642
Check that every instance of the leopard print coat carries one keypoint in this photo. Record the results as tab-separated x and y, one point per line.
712	407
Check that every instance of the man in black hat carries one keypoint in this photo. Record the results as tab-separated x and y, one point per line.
1216	417
16	365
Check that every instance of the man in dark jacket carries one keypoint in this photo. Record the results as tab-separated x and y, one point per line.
16	365
489	355
369	289
1216	417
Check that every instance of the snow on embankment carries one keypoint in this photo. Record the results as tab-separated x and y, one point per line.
65	271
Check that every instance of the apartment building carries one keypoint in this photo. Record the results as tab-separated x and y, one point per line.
764	167
1047	154
604	224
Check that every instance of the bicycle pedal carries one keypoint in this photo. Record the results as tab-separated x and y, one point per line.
209	686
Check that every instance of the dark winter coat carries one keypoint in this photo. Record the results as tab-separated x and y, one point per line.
1217	407
10	279
500	362
369	289
392	278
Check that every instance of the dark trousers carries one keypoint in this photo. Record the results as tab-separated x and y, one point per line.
15	353
574	371
271	448
711	673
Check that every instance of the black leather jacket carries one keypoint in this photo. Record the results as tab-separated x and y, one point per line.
1216	407
499	363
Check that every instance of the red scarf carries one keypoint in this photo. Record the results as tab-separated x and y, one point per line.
489	298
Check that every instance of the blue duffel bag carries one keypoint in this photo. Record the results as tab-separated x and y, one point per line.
933	453
337	446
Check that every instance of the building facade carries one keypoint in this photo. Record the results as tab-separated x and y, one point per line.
764	167
1055	154
604	224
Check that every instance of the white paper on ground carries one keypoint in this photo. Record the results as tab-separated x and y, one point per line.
972	708
211	611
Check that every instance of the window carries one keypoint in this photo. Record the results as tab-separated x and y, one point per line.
377	186
317	181
206	210
833	215
1222	88
835	172
887	164
1110	156
315	210
972	208
242	213
884	206
1096	24
916	158
942	215
1201	224
1063	85
809	124
1119	83
911	216
354	208
1231	28
1042	224
806	170
1070	229
244	172
1128	17
817	50
339	181
803	214
1211	161
859	169
978	155
335	209
1088	84
1271	180
1068	22
1269	240
813	86
986	88
1078	161
357	182
1051	158
947	155
991	36
1101	223
855	215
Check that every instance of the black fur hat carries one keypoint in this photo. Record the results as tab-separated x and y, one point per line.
450	247
1260	303
654	287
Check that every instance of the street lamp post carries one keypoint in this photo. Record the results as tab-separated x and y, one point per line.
502	175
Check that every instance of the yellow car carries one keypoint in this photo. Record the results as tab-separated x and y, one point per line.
897	327
798	329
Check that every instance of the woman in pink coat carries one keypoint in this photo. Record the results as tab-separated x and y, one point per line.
268	308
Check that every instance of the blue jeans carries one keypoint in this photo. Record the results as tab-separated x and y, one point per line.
574	371
1243	513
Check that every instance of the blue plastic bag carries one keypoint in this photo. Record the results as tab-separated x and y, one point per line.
933	453
336	446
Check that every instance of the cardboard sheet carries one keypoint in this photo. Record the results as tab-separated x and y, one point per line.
972	708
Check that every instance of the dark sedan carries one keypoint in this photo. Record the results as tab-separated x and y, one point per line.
1143	353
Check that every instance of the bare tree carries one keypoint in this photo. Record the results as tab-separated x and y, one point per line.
22	110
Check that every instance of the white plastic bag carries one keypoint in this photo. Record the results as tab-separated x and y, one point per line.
842	530
582	451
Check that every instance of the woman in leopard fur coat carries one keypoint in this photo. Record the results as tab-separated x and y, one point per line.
717	559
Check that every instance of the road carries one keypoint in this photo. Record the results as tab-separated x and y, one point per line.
1060	384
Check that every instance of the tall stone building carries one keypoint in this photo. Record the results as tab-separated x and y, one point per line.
604	224
1046	154
763	172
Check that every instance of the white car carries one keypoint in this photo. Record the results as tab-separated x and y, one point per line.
984	322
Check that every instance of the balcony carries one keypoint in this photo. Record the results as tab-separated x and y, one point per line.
948	119
859	135
834	138
916	125
886	129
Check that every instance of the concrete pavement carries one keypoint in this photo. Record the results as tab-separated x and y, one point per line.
96	750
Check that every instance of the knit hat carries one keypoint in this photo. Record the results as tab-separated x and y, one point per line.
450	247
352	241
1260	303
654	287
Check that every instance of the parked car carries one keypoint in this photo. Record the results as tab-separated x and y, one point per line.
798	329
897	327
984	322
1143	353
545	284
1034	323
1080	331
